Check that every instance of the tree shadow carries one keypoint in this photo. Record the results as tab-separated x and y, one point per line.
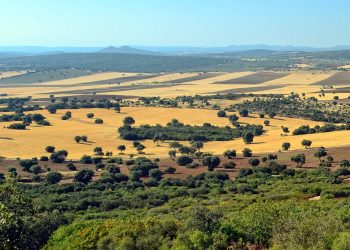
6	138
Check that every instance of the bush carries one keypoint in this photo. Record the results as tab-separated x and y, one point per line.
71	166
35	169
44	158
247	152
221	113
129	162
53	177
90	115
86	159
155	173
36	178
229	165
84	176
121	177
184	160
99	166
211	162
98	121
44	123
254	162
27	164
50	149
345	163
19	126
112	168
192	165
116	160
230	154
170	170
57	158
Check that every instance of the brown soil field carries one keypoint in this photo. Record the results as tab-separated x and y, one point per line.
196	77
340	78
256	78
119	80
338	154
246	90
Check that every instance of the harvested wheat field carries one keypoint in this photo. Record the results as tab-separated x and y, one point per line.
32	142
7	74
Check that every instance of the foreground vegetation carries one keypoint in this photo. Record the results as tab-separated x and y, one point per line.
265	207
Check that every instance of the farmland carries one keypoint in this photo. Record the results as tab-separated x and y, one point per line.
61	133
101	146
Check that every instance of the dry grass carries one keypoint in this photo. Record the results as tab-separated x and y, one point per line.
7	74
32	142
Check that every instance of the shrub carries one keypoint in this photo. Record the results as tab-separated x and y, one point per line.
192	165
27	164
19	126
36	178
84	176
129	162
170	170
35	169
286	146
50	149
53	177
345	163
112	168
77	138
71	166
57	158
44	158
183	160
221	113
86	159
90	115
230	154
229	165
254	162
98	121
128	120
211	162
247	152
155	173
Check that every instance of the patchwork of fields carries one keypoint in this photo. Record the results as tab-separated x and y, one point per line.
174	84
31	142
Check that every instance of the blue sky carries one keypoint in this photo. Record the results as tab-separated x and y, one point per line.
174	22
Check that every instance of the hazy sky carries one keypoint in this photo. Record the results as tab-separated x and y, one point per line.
174	22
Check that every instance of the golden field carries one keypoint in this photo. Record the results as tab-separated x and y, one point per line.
32	142
7	74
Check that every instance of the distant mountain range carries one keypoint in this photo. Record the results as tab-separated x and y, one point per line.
15	51
128	50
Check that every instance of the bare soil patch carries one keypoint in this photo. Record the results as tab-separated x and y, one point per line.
255	78
340	78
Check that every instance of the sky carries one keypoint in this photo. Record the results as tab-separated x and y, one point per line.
207	23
